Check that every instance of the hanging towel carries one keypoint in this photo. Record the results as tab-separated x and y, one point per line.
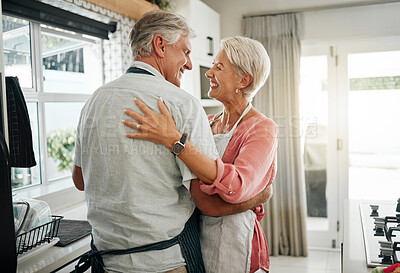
19	127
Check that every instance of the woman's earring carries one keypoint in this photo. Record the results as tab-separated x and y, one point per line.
237	91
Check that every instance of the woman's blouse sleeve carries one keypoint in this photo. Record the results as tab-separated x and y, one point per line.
252	170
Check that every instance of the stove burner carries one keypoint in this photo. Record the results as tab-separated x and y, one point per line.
379	226
382	246
374	212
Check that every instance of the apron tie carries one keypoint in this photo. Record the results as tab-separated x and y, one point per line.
94	257
188	240
91	259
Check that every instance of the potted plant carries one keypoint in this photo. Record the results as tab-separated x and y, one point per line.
167	5
60	147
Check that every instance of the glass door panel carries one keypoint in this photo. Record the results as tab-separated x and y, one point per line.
314	122
374	125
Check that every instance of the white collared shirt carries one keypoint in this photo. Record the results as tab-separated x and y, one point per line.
137	191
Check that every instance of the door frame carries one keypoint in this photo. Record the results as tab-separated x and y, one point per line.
338	137
324	239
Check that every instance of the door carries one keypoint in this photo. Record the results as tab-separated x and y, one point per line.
350	117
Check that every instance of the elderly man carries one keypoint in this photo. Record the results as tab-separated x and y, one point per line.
138	192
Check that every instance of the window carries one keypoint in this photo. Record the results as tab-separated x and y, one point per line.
58	70
17	49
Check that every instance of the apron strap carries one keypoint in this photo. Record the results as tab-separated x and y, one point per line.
188	240
137	70
212	121
248	108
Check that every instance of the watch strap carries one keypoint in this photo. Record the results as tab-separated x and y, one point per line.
183	138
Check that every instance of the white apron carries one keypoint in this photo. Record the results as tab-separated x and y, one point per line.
226	240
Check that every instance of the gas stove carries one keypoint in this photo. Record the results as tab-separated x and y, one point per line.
381	230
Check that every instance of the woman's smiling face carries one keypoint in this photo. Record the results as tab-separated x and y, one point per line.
223	78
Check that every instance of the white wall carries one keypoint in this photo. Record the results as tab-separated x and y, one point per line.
362	21
356	22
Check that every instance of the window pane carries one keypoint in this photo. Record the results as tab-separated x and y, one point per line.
70	65
61	122
17	50
374	131
22	177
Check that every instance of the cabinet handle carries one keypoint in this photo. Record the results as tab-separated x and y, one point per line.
210	46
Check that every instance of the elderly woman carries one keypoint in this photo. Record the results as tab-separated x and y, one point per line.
247	144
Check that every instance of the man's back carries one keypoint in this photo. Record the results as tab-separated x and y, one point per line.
137	191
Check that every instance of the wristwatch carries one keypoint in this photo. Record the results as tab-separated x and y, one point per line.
179	145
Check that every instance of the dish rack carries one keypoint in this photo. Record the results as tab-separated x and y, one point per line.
39	235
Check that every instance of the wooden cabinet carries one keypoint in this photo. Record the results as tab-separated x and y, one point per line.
133	9
205	46
205	22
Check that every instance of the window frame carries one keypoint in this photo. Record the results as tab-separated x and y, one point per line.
37	95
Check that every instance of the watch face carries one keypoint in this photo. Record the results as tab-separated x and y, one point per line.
177	148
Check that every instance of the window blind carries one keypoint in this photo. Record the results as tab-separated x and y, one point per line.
54	16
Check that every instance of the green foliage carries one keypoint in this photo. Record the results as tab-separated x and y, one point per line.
167	5
60	147
375	83
51	42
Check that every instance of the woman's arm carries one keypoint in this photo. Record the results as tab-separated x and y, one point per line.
213	205
253	168
77	177
161	128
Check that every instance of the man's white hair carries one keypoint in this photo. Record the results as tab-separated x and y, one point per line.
169	25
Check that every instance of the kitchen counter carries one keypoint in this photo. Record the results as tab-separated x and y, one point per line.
354	257
52	258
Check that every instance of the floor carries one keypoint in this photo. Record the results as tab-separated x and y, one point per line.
318	261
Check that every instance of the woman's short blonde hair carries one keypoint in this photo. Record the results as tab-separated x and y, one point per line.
248	56
169	25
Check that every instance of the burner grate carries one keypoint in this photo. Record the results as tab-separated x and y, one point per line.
377	224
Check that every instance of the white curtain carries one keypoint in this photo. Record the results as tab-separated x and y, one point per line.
285	220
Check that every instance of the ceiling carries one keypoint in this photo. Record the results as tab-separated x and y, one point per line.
232	11
276	6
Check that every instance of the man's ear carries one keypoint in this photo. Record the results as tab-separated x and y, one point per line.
159	45
246	80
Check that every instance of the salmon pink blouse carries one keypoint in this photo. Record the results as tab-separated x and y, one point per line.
247	167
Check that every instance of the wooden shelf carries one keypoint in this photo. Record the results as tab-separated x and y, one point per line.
133	9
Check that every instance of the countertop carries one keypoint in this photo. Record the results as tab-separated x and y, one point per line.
53	258
354	257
